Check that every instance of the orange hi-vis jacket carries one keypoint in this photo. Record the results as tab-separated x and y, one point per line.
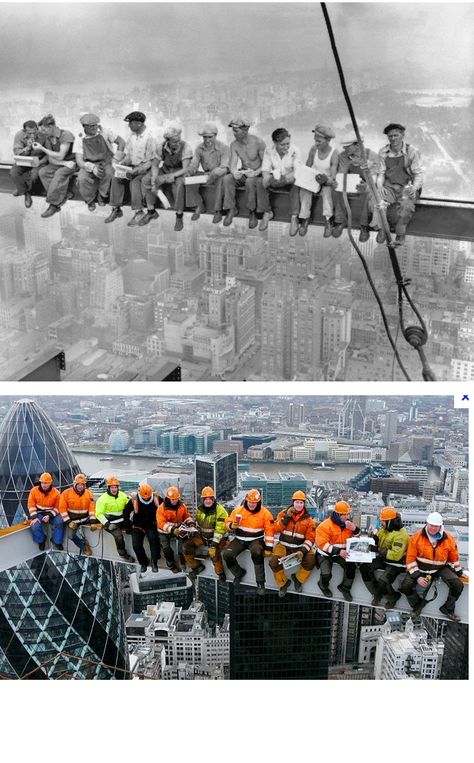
296	531
254	525
75	507
168	519
43	502
423	557
330	538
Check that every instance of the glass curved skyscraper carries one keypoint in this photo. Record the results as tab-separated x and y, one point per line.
60	615
30	444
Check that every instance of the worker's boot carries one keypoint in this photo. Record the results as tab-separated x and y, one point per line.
284	589
364	234
449	613
323	585
345	589
196	570
297	583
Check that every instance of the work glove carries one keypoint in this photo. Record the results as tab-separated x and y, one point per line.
300	555
212	552
73	525
267	552
35	521
176	532
45	519
95	526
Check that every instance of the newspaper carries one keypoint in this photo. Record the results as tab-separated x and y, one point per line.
196	179
359	549
26	161
305	177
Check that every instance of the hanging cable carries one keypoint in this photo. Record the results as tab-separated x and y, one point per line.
415	335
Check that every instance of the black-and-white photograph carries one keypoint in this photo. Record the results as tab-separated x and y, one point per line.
236	191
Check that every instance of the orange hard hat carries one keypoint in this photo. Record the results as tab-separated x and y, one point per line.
298	496
253	496
113	481
146	491
45	477
80	479
173	493
208	492
388	512
342	507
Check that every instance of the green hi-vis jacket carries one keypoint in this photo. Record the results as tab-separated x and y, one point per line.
396	542
212	523
110	508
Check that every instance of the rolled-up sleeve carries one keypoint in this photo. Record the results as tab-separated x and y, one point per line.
416	167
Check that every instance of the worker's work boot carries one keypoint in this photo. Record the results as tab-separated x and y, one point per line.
328	229
116	212
230	216
337	230
294	225
260	589
364	234
136	218
297	584
284	589
253	219
381	237
449	614
238	575
303	227
267	216
346	592
325	589
217	217
196	570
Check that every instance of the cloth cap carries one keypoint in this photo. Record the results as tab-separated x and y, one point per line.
393	126
208	128
89	119
350	137
173	131
325	132
239	122
434	519
47	120
135	116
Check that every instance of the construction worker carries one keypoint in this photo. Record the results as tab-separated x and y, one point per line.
351	162
278	174
55	175
77	507
211	518
432	553
140	148
399	180
213	157
25	177
145	503
331	538
323	159
392	541
297	534
168	169
94	151
43	508
112	510
248	150
253	526
171	513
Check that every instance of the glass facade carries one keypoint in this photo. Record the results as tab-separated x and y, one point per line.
220	472
216	598
61	617
273	638
29	445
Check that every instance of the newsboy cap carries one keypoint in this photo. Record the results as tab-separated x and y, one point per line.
208	128
350	137
135	116
239	122
89	119
393	126
325	132
173	130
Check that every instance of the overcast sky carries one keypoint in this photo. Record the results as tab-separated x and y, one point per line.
46	43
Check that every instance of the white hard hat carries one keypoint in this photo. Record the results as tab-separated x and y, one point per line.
434	519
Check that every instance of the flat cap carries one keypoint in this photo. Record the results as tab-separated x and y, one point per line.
173	130
324	131
393	126
89	119
350	137
208	128
135	116
240	122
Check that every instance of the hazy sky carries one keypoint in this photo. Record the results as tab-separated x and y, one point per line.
47	43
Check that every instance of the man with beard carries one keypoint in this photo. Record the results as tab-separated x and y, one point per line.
211	518
77	507
112	509
43	508
253	526
171	513
297	533
145	503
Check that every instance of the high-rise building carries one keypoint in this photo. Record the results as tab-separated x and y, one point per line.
61	617
150	590
220	471
408	653
389	427
272	638
30	444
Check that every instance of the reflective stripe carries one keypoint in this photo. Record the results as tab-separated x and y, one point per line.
431	561
307	544
167	527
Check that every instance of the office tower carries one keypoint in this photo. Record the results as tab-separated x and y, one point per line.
219	471
60	617
273	638
389	427
149	590
29	444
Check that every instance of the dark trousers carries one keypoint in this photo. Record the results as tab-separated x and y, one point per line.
168	551
263	196
230	186
138	537
326	570
56	182
89	184
256	548
173	191
194	196
383	584
117	192
340	214
24	177
455	587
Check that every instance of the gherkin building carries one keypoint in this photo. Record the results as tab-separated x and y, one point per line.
30	444
61	618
